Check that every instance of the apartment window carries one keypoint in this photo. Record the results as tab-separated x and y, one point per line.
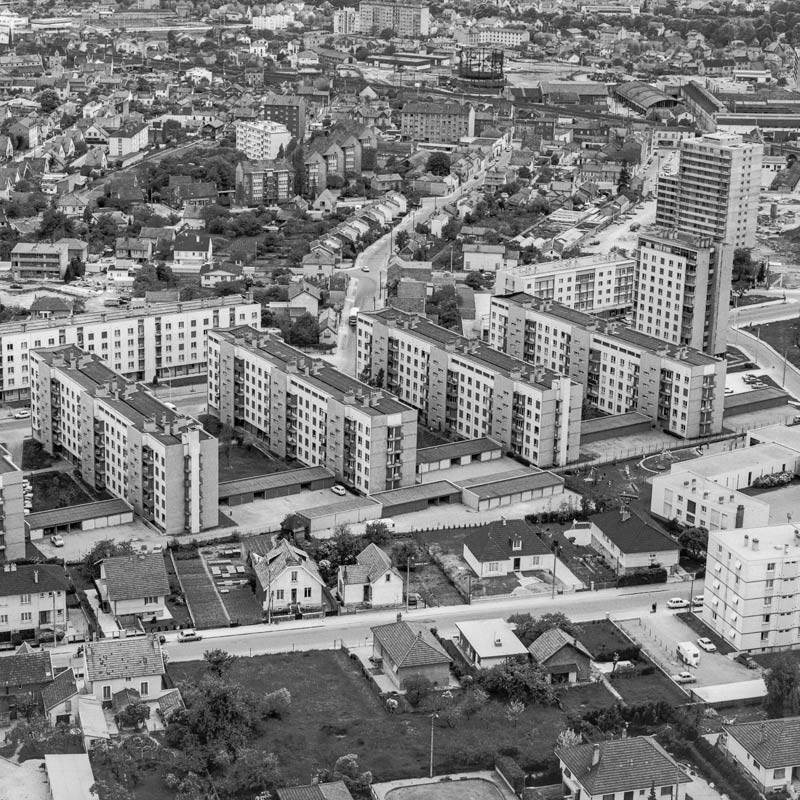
3	619
144	688
779	773
307	592
494	566
279	594
608	797
150	601
771	566
26	616
25	599
106	693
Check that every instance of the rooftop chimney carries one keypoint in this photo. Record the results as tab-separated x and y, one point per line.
595	755
755	544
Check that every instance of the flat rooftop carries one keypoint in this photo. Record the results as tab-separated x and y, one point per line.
492	638
486	490
315	371
349	503
274	480
758	455
567	265
787	435
467	447
73	514
770	538
421	491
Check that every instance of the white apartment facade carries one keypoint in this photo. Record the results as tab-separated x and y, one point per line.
751	596
124	440
261	139
162	340
471	389
619	369
597	284
307	410
12	509
682	290
346	21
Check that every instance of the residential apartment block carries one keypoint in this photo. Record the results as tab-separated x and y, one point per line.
600	284
750	593
471	389
158	341
261	139
264	182
715	190
33	599
288	110
411	18
12	509
683	284
124	440
43	260
425	121
346	21
305	409
620	369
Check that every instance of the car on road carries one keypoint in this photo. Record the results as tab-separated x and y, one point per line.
339	489
745	659
22	413
677	602
684	677
16	286
56	540
707	644
365	268
698	599
189	635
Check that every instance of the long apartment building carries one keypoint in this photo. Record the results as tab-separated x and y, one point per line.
683	284
12	509
124	440
305	409
162	340
600	284
426	121
619	369
751	594
468	388
410	18
264	182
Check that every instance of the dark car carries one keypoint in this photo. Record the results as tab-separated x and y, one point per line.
745	660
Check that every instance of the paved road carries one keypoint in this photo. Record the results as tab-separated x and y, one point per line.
355	629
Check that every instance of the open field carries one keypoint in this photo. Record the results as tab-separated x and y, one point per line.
783	336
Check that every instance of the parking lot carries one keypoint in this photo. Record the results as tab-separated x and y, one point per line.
659	635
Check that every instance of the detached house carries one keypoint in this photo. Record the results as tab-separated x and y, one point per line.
407	651
135	586
112	665
33	600
191	251
768	751
287	581
621	769
503	547
371	580
60	698
562	656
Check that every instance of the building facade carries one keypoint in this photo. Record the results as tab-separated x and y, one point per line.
43	260
600	284
750	587
287	110
425	121
411	19
264	182
620	369
33	599
346	21
261	139
158	341
466	387
306	410
683	285
124	440
12	509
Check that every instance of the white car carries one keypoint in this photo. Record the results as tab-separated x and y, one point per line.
339	489
698	599
56	540
365	268
684	677
189	635
22	413
677	602
707	645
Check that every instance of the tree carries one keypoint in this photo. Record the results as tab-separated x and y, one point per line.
406	554
695	541
519	680
624	178
133	715
568	738
514	711
528	628
105	548
474	280
387	33
348	769
524	174
253	774
219	662
304	331
401	239
783	681
377	532
473	700
416	688
55	225
49	101
438	164
111	790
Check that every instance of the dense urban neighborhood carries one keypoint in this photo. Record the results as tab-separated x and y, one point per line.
400	400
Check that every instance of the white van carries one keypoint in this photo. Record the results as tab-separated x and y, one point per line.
688	653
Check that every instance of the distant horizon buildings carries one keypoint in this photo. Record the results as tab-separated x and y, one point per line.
405	17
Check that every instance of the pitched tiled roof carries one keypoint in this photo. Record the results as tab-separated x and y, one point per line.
283	556
134	577
170	701
27	578
410	645
493	542
335	790
123	658
125	697
632	534
773	742
550	642
25	668
624	765
375	560
61	688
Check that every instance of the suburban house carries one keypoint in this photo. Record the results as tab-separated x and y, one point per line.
50	307
334	790
306	296
131	663
486	643
133	249
621	769
135	586
24	673
629	544
371	580
33	600
500	548
129	139
287	581
768	751
60	698
407	651
562	656
190	251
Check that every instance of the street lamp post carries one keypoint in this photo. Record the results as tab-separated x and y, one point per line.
434	716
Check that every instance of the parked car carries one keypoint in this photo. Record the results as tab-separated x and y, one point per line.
189	635
677	602
56	540
365	268
22	413
684	677
339	489
698	599
745	659
707	644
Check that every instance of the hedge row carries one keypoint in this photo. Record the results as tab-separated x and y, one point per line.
643	578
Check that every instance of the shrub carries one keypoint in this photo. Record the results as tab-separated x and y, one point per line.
512	772
643	578
277	703
416	687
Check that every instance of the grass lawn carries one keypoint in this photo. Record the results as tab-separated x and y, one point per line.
56	490
601	635
582	699
427	438
768	660
34	456
433	586
782	336
245	461
650	689
755	299
242	606
334	712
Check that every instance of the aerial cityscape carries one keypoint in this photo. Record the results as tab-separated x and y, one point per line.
400	400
